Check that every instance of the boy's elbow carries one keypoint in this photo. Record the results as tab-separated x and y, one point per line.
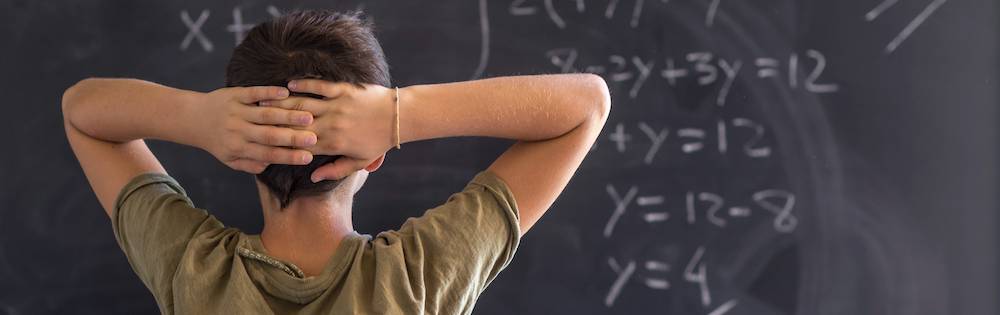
75	96
68	100
71	97
599	96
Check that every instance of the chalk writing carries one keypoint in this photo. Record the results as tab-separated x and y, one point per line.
697	273
912	26
703	67
610	10
713	9
640	74
657	139
703	205
517	8
692	140
621	204
715	76
194	31
784	221
484	49
654	275
707	206
237	27
724	307
521	8
623	277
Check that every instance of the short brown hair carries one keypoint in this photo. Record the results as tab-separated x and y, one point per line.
316	44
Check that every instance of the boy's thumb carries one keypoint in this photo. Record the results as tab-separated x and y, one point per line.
334	171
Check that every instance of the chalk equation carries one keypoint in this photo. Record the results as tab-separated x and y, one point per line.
715	138
703	67
703	206
655	275
698	207
646	209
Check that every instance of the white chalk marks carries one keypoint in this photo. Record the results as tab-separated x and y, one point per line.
713	9
751	140
620	137
238	28
609	10
697	273
724	307
517	8
912	26
274	12
712	207
655	279
654	276
484	48
623	277
709	206
657	138
881	7
712	12
621	204
194	31
768	67
551	10
704	68
784	220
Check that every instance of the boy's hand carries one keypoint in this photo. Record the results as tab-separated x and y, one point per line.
355	122
247	137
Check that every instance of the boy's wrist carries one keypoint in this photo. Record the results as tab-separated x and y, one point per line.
408	116
188	126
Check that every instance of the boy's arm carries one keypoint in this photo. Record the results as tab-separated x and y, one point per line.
556	119
106	120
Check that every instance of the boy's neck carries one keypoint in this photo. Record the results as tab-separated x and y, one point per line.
307	232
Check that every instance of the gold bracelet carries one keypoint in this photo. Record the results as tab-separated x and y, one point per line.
396	117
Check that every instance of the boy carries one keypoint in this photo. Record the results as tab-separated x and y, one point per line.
311	147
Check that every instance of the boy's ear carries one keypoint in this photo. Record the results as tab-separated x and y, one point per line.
375	164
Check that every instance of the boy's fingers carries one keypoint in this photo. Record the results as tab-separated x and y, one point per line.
314	106
253	94
249	166
280	137
319	87
277	116
277	155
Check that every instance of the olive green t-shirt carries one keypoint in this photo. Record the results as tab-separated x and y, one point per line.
438	263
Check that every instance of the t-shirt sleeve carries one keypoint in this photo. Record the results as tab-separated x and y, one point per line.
455	250
153	221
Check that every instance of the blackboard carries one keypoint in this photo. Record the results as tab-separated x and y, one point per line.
761	157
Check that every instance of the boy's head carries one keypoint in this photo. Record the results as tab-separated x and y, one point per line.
317	44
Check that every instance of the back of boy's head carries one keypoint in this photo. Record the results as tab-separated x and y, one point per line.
317	44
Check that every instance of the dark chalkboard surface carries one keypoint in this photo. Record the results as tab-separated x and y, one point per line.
762	157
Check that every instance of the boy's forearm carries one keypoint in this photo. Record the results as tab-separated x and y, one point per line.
121	110
527	108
